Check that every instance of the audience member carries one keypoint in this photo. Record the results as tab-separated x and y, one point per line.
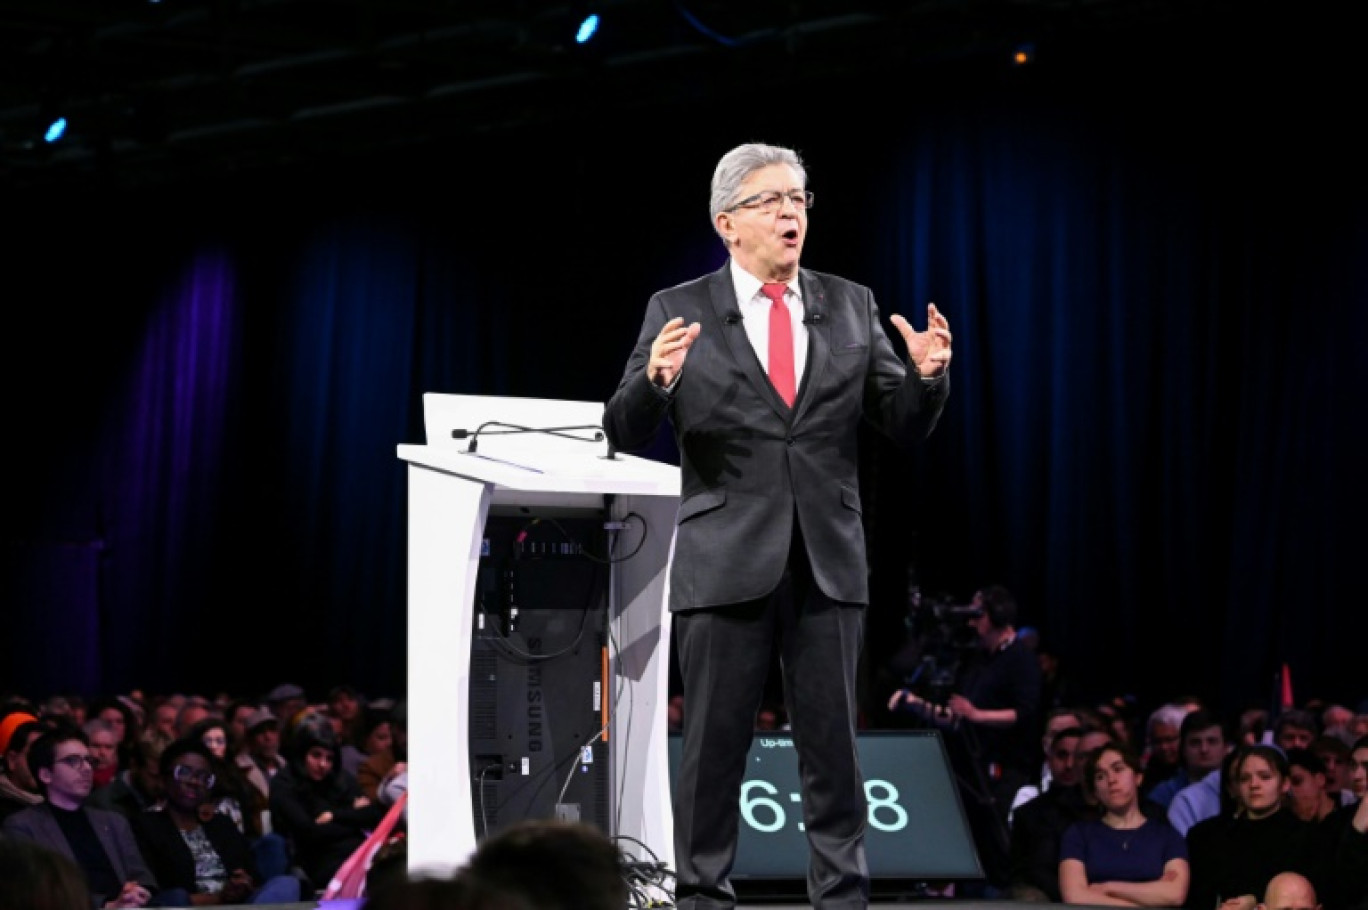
346	707
1358	727
138	786
317	806
392	787
1358	768
1204	743
380	766
1118	714
1253	727
11	720
1234	857
18	789
545	865
104	750
202	853
231	794
1289	891
286	701
1335	719
1351	852
100	842
372	733
58	708
237	714
194	709
1334	755
122	719
1161	756
1056	719
1038	825
1125	857
34	877
235	796
260	759
1308	796
1215	794
1295	729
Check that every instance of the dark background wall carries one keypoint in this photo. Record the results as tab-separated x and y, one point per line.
1151	251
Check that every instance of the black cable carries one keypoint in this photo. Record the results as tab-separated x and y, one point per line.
603	561
642	876
484	816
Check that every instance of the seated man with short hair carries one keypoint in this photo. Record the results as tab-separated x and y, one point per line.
101	842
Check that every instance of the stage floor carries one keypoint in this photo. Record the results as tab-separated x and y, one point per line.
783	895
887	903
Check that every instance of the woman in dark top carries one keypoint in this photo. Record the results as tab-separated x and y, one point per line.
1233	857
1123	859
317	806
203	853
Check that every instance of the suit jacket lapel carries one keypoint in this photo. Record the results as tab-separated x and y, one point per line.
50	833
819	343
112	848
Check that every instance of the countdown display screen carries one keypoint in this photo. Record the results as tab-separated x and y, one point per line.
916	830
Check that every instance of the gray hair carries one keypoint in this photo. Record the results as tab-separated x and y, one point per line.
98	725
740	163
1170	715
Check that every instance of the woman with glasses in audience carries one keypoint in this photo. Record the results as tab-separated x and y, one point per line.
1124	858
234	796
230	794
202	852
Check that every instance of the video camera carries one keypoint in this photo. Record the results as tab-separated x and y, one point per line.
939	639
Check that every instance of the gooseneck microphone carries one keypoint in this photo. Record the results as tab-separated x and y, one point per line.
497	428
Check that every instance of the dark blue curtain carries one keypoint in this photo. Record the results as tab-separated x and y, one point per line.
1156	279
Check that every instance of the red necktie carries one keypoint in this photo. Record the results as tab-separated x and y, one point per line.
780	343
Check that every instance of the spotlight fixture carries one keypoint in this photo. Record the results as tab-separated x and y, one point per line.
56	130
1024	54
588	27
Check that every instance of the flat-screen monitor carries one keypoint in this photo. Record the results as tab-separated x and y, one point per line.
537	675
917	829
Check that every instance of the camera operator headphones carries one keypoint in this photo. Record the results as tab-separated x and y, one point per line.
999	606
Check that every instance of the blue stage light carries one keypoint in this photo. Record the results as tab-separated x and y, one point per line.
587	28
55	130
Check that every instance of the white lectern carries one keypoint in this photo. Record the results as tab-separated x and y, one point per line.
533	453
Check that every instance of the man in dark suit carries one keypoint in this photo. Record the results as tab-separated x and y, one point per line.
783	364
100	842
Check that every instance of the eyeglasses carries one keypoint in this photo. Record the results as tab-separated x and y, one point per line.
771	201
76	762
186	774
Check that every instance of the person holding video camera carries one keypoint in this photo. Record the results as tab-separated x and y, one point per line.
994	714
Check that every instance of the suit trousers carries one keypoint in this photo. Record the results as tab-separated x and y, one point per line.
725	655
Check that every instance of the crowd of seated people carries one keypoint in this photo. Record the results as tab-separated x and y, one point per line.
183	799
1217	834
1174	807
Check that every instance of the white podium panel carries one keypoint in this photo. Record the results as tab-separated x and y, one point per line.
530	455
